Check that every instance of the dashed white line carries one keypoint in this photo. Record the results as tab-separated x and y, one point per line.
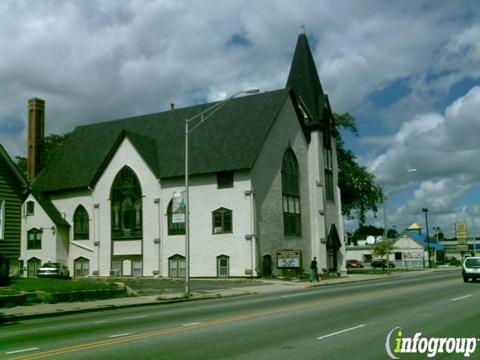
22	350
461	297
293	295
119	335
191	324
342	331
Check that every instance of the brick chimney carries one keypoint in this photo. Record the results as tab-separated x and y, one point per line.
36	134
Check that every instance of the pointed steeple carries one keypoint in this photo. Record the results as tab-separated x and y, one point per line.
304	80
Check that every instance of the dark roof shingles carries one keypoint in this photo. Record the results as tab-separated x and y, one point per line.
230	140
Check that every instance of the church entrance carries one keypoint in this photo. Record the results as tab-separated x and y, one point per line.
333	246
176	266
267	265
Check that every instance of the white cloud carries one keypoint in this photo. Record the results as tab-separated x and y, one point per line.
98	60
444	149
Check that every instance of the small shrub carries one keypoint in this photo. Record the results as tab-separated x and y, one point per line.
454	262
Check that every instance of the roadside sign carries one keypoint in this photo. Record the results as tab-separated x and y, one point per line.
178	207
461	234
288	258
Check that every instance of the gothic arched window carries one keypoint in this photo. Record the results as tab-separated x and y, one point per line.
126	203
291	194
80	224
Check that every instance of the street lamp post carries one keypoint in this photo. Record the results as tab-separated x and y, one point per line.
385	235
425	210
203	116
385	231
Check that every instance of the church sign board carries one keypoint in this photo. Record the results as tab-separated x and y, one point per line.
288	259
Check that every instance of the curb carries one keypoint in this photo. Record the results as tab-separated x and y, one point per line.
11	317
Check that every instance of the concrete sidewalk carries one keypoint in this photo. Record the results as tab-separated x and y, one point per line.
261	286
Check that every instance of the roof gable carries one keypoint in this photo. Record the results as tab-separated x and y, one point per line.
422	240
50	209
18	176
144	145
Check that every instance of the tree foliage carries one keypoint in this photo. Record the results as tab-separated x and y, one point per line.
380	248
52	143
369	230
359	192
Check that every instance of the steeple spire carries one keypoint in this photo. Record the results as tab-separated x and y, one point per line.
303	77
302	29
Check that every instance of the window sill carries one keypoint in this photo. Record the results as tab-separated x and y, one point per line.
292	236
127	238
222	233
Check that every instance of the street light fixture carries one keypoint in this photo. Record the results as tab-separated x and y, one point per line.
203	116
425	210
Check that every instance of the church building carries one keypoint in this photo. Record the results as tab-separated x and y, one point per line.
263	194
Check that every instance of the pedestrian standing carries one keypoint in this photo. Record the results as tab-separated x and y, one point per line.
314	270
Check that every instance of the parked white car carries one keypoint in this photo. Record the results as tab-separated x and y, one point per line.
53	270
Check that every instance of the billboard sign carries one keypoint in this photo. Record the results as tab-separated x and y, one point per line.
461	234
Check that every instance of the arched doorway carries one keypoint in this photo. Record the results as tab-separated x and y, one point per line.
33	265
176	266
333	245
267	265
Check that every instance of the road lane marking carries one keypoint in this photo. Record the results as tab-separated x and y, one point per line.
21	351
293	295
172	330
461	297
341	331
216	322
119	335
135	317
192	324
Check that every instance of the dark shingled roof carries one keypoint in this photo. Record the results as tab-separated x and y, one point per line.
22	182
231	139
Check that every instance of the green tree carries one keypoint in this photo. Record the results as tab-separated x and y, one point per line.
380	248
360	193
22	164
52	143
366	230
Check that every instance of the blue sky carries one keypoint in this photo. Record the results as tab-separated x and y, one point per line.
409	71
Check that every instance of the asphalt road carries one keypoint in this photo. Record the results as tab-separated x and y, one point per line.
348	321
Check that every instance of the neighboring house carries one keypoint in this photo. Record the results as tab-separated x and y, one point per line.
409	250
13	187
263	190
